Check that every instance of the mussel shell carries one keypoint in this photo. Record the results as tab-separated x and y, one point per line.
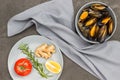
84	15
105	20
94	13
86	33
97	31
90	22
98	6
83	29
110	27
93	31
80	26
102	34
99	23
105	13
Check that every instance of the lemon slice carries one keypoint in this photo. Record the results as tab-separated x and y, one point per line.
53	66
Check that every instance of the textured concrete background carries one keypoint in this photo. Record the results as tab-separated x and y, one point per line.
9	8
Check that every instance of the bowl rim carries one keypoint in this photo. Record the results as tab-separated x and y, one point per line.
78	13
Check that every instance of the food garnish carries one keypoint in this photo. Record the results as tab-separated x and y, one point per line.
23	67
53	66
45	51
30	55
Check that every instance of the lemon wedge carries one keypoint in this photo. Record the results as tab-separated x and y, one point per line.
53	66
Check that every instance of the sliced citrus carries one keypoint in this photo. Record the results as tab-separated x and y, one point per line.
53	66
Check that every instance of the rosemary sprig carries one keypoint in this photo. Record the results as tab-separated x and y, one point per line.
38	66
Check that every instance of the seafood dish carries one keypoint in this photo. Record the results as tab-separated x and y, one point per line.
95	22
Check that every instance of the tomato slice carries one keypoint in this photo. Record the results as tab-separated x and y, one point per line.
23	67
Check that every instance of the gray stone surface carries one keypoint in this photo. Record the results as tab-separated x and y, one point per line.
9	8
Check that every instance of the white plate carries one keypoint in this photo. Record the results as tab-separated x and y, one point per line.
33	42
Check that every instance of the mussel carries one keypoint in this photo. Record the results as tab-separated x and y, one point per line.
93	13
90	22
84	15
110	27
102	33
86	33
105	13
106	20
80	26
94	31
98	6
83	29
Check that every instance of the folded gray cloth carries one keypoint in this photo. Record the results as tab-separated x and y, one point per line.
54	20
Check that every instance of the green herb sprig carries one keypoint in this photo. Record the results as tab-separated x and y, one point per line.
30	55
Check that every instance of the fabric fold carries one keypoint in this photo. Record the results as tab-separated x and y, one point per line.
54	19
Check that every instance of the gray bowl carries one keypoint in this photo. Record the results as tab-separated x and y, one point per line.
87	5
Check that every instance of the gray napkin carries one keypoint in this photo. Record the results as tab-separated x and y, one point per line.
54	20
